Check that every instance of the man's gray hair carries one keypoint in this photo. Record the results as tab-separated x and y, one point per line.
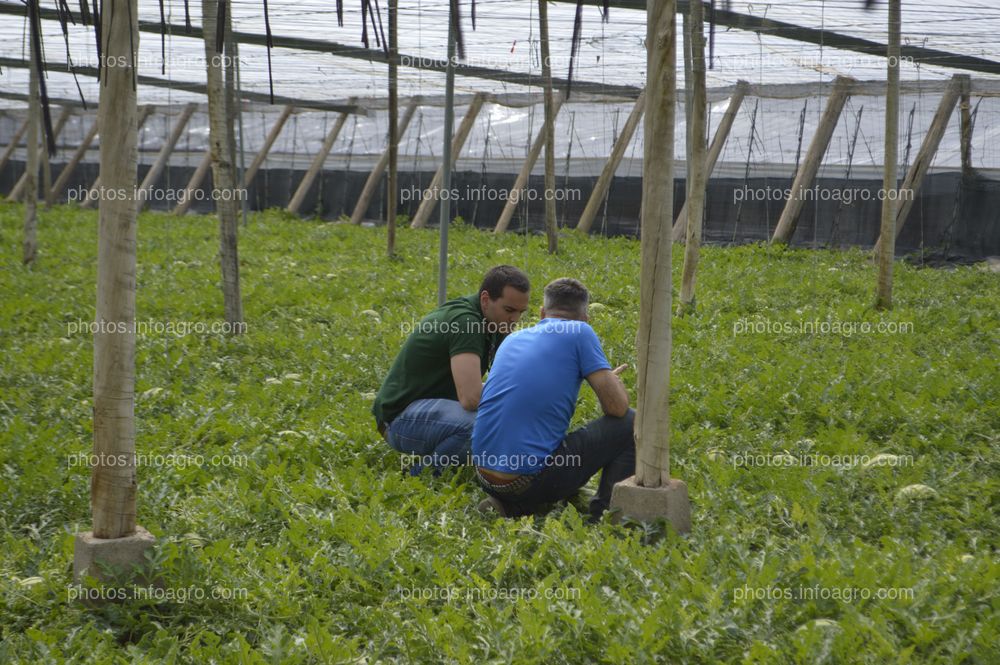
566	295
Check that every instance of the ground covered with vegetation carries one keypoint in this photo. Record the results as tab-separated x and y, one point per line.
288	533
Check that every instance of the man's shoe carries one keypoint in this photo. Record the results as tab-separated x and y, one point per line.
491	504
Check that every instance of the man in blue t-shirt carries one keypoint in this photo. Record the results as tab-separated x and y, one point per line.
523	455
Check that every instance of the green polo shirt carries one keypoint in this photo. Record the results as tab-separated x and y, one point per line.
422	370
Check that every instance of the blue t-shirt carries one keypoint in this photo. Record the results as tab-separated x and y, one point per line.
531	393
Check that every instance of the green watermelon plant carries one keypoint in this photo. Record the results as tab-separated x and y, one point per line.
288	532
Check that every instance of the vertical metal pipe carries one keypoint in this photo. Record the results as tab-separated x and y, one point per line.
449	122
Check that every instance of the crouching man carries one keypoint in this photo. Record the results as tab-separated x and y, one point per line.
427	404
523	454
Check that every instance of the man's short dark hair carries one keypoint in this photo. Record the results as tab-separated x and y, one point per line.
502	276
566	295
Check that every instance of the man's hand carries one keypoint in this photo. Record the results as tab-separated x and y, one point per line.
465	370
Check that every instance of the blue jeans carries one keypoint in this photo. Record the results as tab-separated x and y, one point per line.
604	445
437	431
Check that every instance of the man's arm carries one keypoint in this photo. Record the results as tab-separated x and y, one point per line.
465	370
610	391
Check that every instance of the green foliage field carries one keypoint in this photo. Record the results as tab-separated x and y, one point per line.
319	549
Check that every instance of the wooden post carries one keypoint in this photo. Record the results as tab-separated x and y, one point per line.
29	179
222	142
234	115
814	156
12	146
430	198
965	108
551	230
392	182
94	193
714	150
71	165
237	101
696	130
18	191
46	165
316	166
617	152
922	162
652	421
117	547
272	136
688	96
368	192
154	173
194	184
522	177
113	485
883	289
652	425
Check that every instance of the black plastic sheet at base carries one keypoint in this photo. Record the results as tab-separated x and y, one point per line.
954	218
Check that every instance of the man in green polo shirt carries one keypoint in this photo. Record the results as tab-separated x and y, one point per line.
427	404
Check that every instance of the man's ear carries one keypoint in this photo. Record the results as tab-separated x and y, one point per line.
541	312
484	298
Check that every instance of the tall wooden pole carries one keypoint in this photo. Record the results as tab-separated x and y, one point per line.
234	112
46	164
922	163
194	184
696	131
30	177
965	110
316	166
883	293
222	142
17	192
551	230
163	158
272	136
375	177
71	165
14	140
438	183
600	190
688	95
651	494
810	165
522	177
714	150
652	423
392	182
113	478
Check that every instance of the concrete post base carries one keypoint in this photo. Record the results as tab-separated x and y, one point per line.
112	560
645	504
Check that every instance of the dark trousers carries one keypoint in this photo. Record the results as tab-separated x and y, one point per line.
606	444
